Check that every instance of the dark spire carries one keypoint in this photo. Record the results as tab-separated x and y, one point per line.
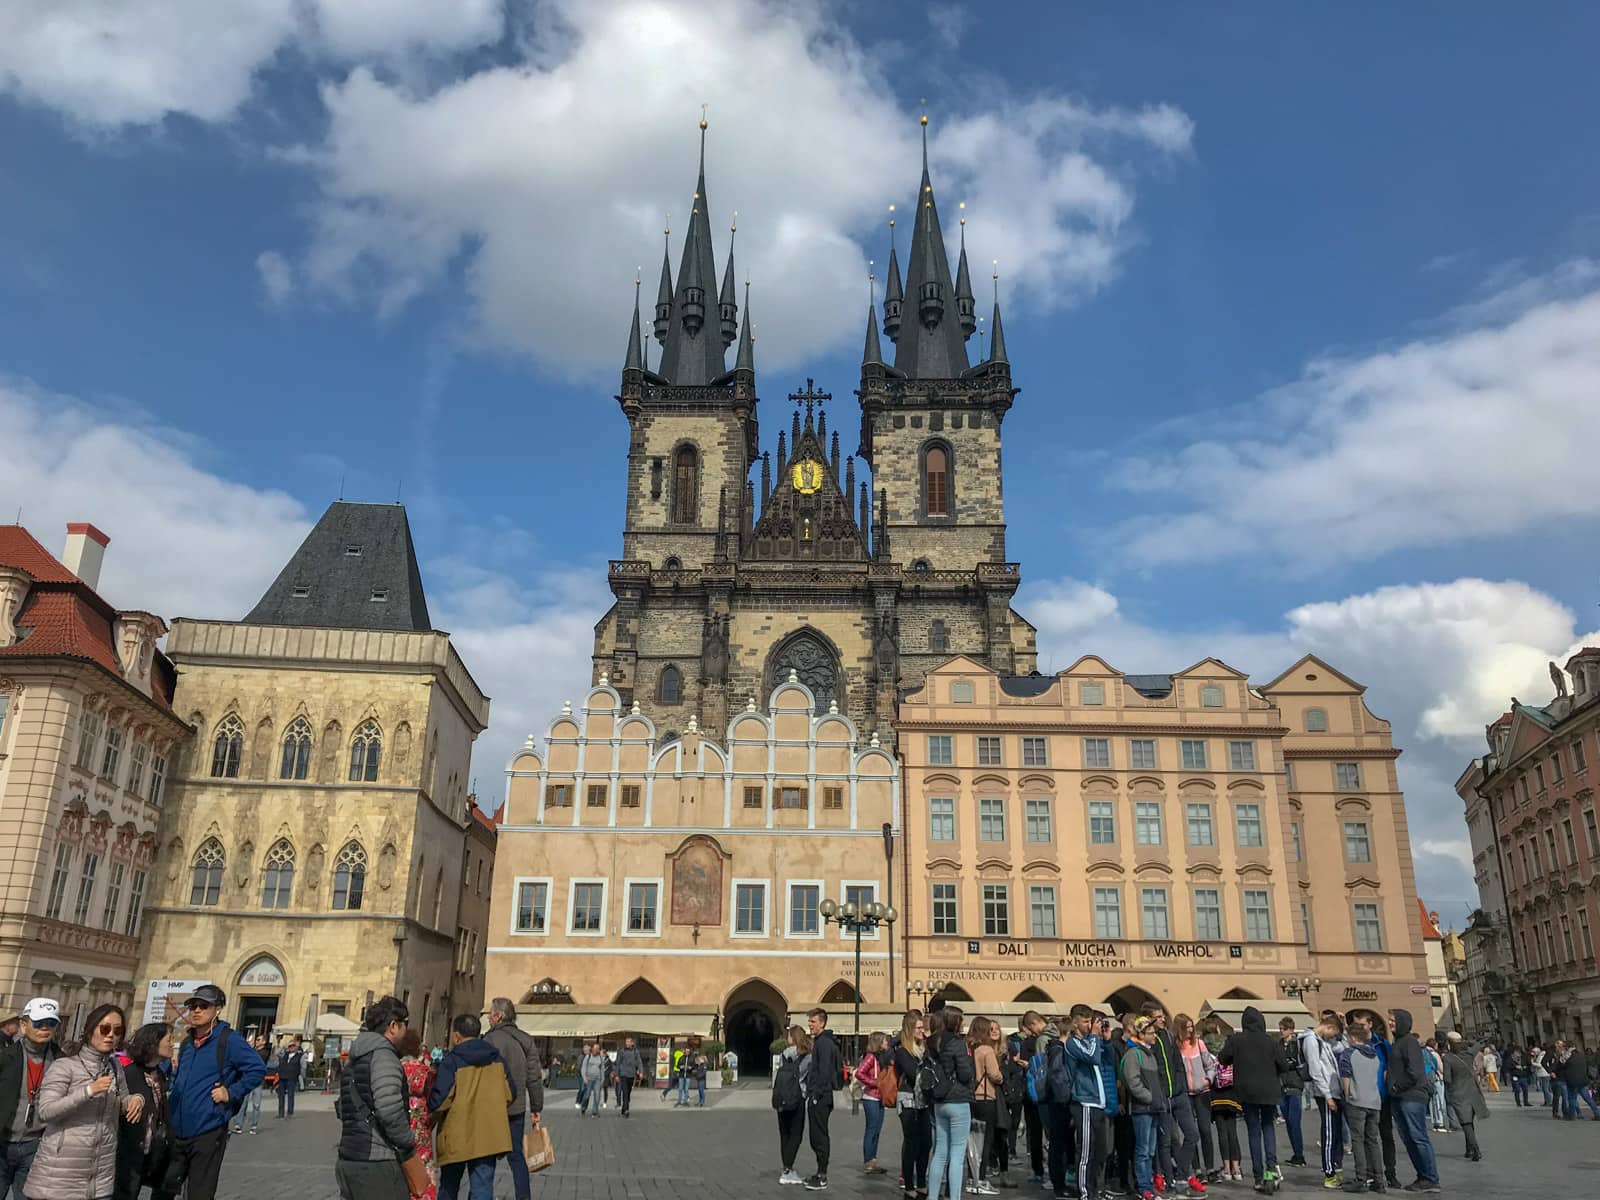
728	304
635	358
833	454
693	354
866	512
849	476
766	479
822	424
965	307
782	458
873	354
794	430
664	293
934	348
893	295
997	335
747	338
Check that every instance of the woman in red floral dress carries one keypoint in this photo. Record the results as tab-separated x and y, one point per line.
419	1078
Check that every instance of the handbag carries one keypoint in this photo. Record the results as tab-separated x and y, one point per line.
889	1086
537	1148
418	1179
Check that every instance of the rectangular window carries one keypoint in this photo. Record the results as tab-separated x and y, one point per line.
630	797
642	905
1305	921
944	909
108	916
1107	913
1578	761
861	895
138	759
1247	825
532	903
4	701
88	740
1583	933
158	777
1566	937
1550	844
752	797
91	865
1091	693
1097	752
1102	823
941	819
558	795
803	901
1035	752
1294	834
1347	776
1208	915
1288	775
1198	819
991	820
1549	944
1369	930
1153	922
1042	912
939	750
1591	832
60	873
989	752
130	926
996	910
1572	841
597	795
111	755
1555	768
1257	916
1241	756
1193	755
1039	824
1147	823
1357	842
792	797
1142	754
1538	777
588	907
833	797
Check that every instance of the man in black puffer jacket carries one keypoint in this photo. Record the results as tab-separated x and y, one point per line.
1407	1080
1258	1066
375	1125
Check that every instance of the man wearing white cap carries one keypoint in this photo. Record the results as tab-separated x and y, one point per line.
22	1066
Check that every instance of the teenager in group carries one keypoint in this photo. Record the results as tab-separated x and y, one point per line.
1177	1133
1361	1102
1406	1079
1378	1035
1084	1051
916	1118
1141	1077
1199	1068
1008	1105
82	1101
1294	1085
1466	1096
789	1100
1257	1061
1320	1048
827	1073
872	1064
1025	1043
985	1102
1226	1111
952	1112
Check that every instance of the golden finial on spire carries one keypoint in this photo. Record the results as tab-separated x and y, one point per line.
963	207
734	228
997	281
891	216
703	116
667	221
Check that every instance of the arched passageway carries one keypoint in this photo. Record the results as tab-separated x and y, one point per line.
755	1013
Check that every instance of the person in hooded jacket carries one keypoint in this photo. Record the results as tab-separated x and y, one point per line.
1258	1066
1379	1029
1465	1095
1407	1082
470	1101
374	1109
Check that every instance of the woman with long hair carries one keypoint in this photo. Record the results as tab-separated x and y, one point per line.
144	1146
916	1119
419	1073
868	1069
789	1085
82	1100
1199	1069
1225	1107
987	1103
952	1112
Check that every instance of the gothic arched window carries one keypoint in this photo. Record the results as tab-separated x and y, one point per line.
670	689
296	750
812	660
277	879
206	883
685	485
227	748
936	482
937	641
366	748
349	877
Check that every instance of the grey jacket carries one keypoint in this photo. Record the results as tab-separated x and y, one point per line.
522	1060
1141	1074
374	1104
1461	1088
592	1068
629	1064
78	1153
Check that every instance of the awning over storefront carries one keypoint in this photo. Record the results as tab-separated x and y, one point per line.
326	1023
576	1020
1272	1011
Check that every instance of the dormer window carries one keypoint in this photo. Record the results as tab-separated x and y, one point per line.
352	551
301	591
379	596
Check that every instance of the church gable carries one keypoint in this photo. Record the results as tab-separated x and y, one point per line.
807	516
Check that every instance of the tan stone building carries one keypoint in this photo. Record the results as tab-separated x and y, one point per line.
1101	837
672	886
315	846
87	736
472	916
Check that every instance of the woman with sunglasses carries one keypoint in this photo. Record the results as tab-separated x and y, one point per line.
81	1102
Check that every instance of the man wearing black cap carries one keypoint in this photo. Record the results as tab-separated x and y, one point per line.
216	1071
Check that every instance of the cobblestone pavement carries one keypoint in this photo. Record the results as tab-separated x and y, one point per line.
729	1150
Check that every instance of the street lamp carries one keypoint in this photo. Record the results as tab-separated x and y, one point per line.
1299	987
858	919
919	989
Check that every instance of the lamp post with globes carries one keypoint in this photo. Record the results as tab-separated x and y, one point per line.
858	919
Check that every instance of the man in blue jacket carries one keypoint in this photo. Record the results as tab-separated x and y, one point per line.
216	1071
1085	1055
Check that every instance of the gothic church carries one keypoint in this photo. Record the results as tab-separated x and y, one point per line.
741	564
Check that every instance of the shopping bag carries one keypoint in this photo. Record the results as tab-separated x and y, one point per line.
538	1149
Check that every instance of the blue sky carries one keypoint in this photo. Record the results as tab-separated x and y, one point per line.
1303	303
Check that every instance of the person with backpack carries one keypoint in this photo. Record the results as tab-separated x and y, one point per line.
1050	1084
1379	1036
1177	1132
1257	1061
1025	1044
216	1071
826	1076
1141	1075
1088	1101
946	1080
873	1063
1294	1083
374	1109
916	1118
1225	1107
1199	1068
789	1100
1466	1096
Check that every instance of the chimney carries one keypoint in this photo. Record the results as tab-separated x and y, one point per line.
86	550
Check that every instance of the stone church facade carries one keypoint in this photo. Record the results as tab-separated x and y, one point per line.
742	563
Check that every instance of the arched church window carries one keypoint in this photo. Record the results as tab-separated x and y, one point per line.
674	563
670	689
685	485
296	750
813	662
227	748
350	877
366	748
936	481
206	882
277	878
937	641
922	566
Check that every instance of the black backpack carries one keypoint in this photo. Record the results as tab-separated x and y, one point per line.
933	1081
1013	1082
786	1094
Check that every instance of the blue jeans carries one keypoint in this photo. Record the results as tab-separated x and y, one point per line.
1544	1089
951	1124
1571	1093
869	1141
1144	1151
683	1088
700	1088
251	1105
480	1178
16	1160
521	1188
1438	1114
1412	1117
1289	1106
1258	1120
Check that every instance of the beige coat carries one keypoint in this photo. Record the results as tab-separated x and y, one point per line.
77	1157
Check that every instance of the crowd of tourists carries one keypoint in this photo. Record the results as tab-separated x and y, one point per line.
1138	1104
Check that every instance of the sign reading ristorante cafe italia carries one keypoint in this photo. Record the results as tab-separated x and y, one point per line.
1095	956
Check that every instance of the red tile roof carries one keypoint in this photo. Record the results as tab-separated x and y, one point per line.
492	824
19	548
1430	924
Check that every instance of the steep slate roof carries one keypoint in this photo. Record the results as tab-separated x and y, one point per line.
1026	686
341	584
1153	687
921	352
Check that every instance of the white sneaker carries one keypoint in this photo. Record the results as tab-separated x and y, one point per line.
791	1176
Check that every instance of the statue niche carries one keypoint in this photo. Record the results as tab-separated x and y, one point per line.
813	661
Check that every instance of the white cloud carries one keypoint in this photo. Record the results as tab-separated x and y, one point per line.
1480	432
949	23
277	276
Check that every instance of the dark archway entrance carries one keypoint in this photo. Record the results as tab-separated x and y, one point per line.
1127	1000
755	1013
